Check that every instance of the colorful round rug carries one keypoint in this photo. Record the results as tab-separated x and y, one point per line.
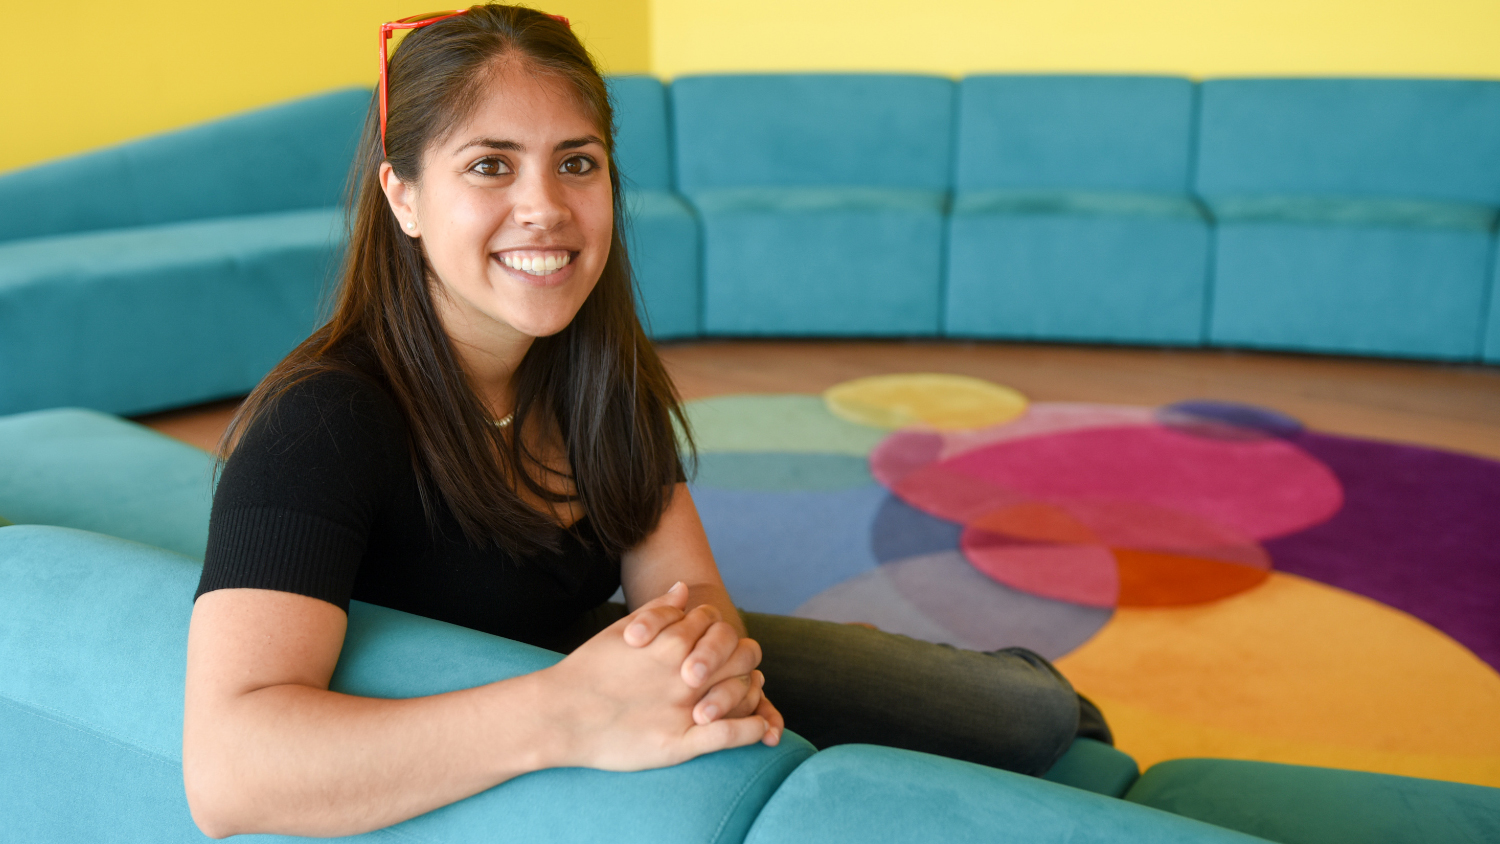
1221	580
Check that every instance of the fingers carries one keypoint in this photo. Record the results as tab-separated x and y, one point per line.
725	733
743	659
656	615
735	697
775	724
712	651
673	644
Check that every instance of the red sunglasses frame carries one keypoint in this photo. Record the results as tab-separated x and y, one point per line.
414	22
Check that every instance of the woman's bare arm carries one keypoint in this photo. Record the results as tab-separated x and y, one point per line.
268	748
678	550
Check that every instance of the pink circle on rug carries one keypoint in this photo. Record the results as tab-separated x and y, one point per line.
1258	489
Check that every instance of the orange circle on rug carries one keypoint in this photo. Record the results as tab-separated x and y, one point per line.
1106	554
944	402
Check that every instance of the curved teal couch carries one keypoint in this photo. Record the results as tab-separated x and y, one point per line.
1348	216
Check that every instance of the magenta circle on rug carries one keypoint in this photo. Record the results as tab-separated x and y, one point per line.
1256	488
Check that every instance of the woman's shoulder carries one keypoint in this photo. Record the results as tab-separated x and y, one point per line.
333	426
343	405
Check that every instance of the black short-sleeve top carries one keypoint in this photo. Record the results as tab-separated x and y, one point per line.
320	498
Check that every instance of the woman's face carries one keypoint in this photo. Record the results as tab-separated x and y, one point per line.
514	211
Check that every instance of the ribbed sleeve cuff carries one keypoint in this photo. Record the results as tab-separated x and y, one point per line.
283	550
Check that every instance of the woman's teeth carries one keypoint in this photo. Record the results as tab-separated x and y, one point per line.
539	264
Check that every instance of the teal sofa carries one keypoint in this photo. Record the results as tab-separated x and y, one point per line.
175	269
92	642
1346	216
1352	215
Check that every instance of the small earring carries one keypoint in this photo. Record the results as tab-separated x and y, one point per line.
411	225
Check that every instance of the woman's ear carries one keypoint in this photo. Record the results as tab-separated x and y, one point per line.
402	198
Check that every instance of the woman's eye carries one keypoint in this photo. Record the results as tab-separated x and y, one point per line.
489	167
578	165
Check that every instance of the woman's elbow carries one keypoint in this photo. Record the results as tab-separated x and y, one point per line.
212	795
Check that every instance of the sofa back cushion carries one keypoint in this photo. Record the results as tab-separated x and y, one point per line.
1100	133
1391	138
288	156
812	130
83	469
643	138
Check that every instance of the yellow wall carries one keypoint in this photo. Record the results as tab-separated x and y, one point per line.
1197	38
91	73
94	73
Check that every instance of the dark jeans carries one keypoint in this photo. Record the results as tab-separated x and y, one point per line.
842	684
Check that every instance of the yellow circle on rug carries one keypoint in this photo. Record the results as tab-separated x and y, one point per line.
945	402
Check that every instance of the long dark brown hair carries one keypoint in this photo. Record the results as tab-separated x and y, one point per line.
598	382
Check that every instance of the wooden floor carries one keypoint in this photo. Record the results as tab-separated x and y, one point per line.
1447	406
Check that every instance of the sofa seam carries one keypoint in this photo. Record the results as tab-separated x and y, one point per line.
744	789
47	713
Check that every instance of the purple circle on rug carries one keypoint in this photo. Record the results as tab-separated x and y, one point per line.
1419	531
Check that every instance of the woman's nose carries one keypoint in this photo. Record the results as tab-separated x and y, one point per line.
539	203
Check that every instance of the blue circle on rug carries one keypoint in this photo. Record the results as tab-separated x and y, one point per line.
1222	420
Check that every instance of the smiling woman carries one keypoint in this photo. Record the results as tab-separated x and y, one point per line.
482	434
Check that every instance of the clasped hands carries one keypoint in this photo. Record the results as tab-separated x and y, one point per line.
662	685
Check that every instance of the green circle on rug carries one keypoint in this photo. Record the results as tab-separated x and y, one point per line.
944	402
799	424
778	472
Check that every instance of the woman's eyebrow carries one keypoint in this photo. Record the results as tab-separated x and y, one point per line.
510	146
575	143
514	146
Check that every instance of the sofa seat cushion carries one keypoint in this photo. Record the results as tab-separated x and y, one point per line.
821	261
134	320
861	794
93	633
88	470
662	234
1353	211
1396	290
1076	265
1304	805
1095	766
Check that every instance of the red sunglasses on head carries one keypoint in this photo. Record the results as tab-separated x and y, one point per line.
414	22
